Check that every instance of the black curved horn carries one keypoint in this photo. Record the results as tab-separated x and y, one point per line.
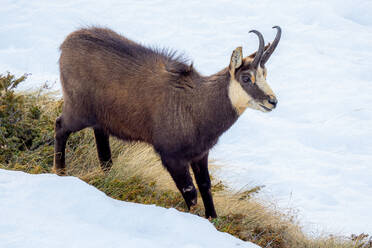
272	47
260	50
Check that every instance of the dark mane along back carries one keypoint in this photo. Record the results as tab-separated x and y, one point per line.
111	42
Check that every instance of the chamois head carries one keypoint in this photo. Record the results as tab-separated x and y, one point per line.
248	86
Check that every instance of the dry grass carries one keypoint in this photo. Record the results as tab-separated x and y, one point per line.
239	214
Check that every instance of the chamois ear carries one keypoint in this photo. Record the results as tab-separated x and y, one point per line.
254	54
236	59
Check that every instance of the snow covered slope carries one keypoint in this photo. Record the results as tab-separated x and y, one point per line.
314	152
51	211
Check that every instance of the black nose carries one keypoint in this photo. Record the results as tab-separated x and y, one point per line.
273	101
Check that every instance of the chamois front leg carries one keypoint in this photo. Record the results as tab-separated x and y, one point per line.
200	169
179	170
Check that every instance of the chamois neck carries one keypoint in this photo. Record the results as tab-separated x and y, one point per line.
216	109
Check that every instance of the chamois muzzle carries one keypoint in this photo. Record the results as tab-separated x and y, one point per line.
273	101
271	49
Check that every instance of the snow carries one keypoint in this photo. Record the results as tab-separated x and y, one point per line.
313	152
52	211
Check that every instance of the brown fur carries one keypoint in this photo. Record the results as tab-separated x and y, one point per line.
121	88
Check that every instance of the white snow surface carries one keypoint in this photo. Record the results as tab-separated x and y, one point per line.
51	211
314	152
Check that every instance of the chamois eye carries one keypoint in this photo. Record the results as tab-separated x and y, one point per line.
246	78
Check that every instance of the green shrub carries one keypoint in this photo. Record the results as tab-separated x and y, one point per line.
15	134
25	130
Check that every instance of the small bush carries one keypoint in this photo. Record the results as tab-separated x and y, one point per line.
26	126
15	134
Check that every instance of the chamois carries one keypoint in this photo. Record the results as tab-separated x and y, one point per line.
136	93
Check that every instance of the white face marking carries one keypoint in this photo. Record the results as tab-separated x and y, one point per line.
239	97
261	82
241	100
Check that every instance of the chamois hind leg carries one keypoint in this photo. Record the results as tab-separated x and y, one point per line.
200	169
61	135
103	149
66	124
179	170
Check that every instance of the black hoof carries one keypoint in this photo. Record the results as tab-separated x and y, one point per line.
212	215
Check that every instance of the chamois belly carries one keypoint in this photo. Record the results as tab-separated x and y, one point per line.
185	150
